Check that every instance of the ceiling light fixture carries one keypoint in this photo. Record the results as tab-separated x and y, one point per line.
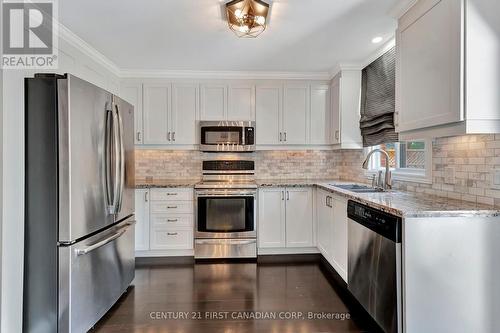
247	18
377	40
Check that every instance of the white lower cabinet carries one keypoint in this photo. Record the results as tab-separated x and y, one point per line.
164	220
331	213
285	217
142	219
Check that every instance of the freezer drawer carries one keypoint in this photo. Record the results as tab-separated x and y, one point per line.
93	274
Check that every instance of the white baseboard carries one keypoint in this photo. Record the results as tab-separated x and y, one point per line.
293	250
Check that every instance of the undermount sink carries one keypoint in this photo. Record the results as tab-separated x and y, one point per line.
357	188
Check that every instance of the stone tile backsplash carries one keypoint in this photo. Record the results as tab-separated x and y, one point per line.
473	159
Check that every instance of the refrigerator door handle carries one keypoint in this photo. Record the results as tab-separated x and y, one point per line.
95	246
116	161
108	148
121	159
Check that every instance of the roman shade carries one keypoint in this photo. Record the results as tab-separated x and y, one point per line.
378	100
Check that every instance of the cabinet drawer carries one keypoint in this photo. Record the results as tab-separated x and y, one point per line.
171	238
169	221
172	207
176	194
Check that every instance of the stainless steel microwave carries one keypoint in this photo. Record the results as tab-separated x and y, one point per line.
227	136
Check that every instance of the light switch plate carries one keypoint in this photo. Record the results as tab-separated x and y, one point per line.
449	175
495	179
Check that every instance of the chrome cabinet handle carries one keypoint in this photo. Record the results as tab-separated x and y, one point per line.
288	195
99	244
172	193
172	220
282	195
172	233
168	136
138	136
285	136
171	207
281	136
173	136
146	196
337	135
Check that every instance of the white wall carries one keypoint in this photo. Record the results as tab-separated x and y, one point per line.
74	57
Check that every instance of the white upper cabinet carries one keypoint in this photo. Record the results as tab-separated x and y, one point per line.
132	93
299	217
268	114
185	112
296	113
241	102
345	110
320	115
157	102
214	101
446	83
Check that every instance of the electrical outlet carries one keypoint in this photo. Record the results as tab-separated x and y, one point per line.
449	175
495	179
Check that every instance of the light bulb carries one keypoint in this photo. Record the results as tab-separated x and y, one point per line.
260	20
238	13
243	28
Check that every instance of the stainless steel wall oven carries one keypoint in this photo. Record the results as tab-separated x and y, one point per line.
226	210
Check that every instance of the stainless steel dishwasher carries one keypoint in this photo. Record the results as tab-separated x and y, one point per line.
374	263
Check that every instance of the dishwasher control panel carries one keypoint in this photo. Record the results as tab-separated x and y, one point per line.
383	223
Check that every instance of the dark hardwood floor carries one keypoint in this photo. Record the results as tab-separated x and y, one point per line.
237	288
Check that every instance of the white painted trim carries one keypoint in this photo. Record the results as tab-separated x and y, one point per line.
294	147
293	250
77	42
368	60
401	8
250	75
166	147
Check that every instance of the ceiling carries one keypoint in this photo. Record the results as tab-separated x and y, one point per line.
302	36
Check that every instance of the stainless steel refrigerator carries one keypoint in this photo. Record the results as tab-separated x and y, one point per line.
79	209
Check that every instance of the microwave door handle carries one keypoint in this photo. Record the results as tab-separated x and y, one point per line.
121	158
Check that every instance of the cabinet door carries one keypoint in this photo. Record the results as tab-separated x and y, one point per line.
142	220
241	100
339	250
132	93
320	115
324	215
299	217
429	65
271	226
268	114
335	105
156	113
184	114
213	102
296	114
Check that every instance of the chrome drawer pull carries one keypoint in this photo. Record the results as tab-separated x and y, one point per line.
171	207
172	193
172	220
171	234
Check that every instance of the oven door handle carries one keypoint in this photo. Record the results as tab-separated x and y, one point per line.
219	195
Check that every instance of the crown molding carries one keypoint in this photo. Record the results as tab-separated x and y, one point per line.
249	75
401	8
80	44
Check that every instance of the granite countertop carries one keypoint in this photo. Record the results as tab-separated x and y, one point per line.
403	204
171	183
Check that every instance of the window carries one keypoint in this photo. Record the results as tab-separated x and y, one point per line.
410	160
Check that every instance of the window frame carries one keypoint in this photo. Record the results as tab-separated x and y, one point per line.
404	174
